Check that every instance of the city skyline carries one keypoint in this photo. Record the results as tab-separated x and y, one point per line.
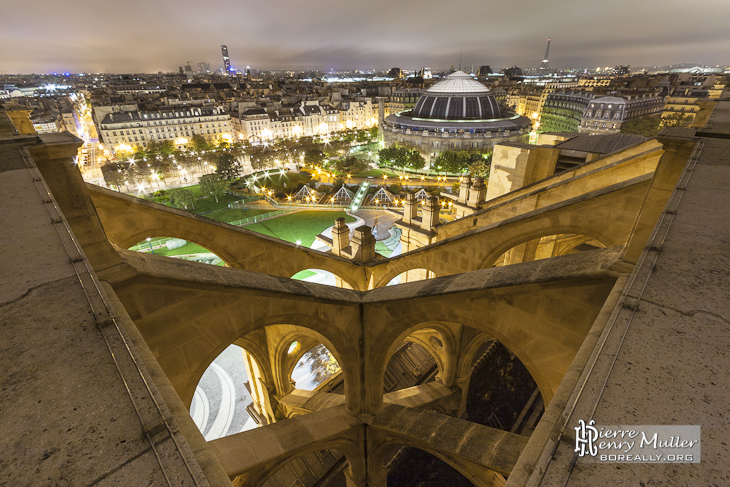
332	36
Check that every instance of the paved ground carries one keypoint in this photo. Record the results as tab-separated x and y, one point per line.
220	400
663	357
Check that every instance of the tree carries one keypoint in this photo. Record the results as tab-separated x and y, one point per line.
113	174
351	165
198	143
313	155
394	156
647	126
228	167
181	198
481	167
321	363
677	120
335	148
214	185
453	161
416	160
161	166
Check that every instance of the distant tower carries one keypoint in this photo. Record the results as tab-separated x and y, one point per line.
545	66
226	60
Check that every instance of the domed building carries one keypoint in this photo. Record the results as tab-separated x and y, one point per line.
455	114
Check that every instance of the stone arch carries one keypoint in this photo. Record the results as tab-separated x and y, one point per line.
585	240
466	359
259	355
491	257
308	326
377	455
339	280
284	363
399	269
228	259
445	357
345	446
525	322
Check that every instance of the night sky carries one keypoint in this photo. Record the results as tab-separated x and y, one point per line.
160	35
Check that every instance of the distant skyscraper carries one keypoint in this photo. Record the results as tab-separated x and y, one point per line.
226	60
484	70
545	66
203	67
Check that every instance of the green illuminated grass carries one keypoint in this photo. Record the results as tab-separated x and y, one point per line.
303	274
228	215
302	225
188	248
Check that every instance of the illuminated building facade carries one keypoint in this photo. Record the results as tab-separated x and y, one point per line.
683	101
137	128
309	118
607	114
456	114
563	111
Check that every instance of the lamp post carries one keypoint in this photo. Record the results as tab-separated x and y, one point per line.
149	242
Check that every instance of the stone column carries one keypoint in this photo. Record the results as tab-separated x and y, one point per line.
430	215
464	190
340	236
410	209
477	193
363	244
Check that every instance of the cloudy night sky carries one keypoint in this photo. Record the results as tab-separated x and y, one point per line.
159	35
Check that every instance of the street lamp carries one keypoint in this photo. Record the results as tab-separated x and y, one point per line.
149	242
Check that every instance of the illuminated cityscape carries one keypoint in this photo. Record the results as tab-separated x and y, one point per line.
365	245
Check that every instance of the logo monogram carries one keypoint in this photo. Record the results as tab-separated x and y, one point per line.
585	436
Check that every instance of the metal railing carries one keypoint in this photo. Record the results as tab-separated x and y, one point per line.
258	218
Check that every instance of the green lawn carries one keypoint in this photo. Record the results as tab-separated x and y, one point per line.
302	225
303	274
228	215
188	248
203	202
205	205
